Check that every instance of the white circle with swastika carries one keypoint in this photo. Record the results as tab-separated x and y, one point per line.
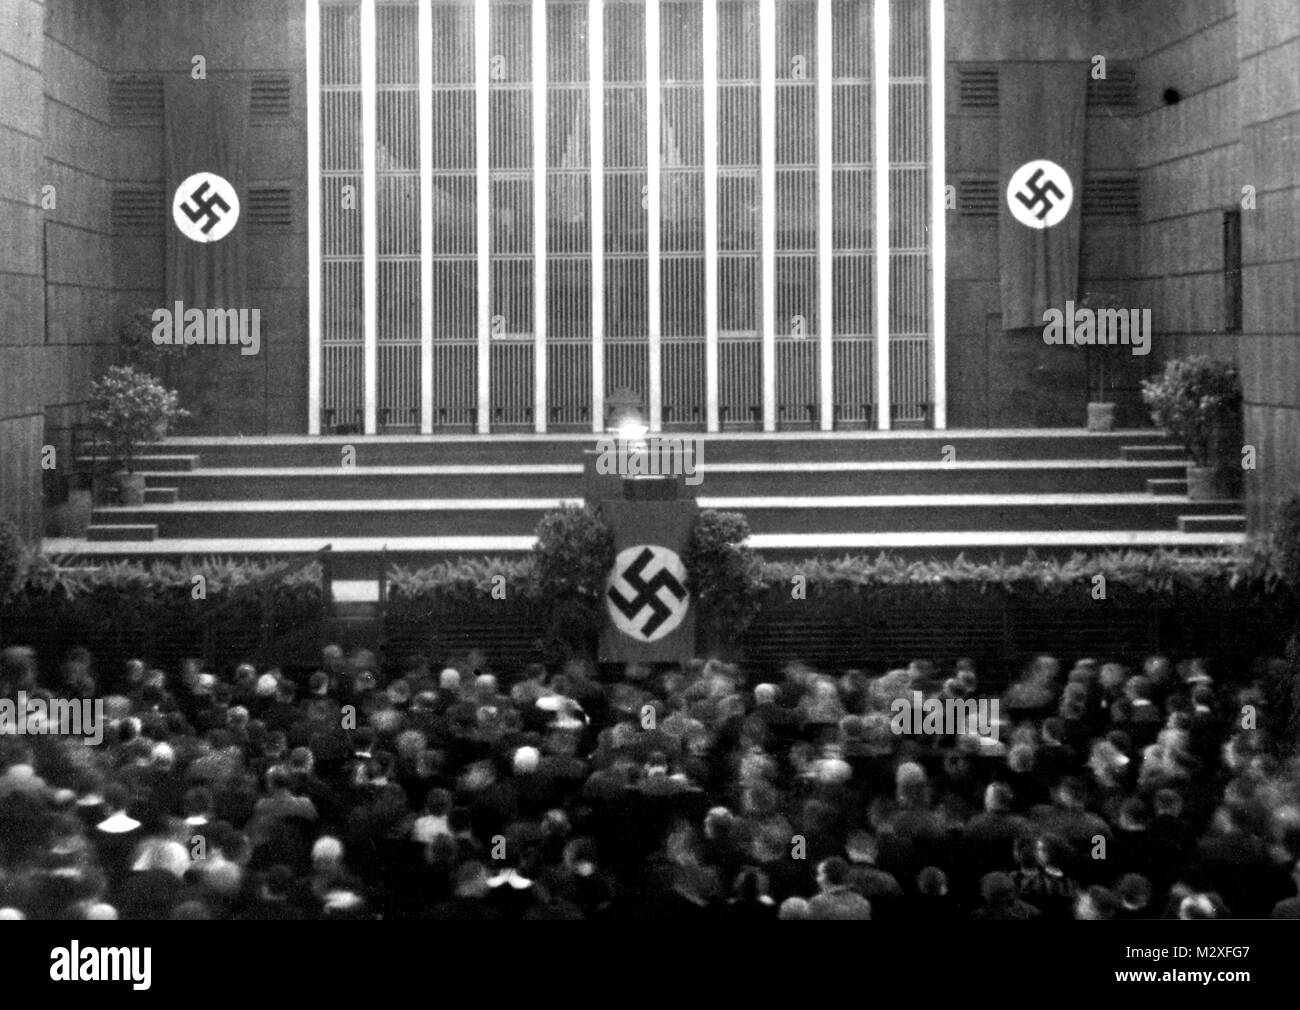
1040	194
205	207
646	593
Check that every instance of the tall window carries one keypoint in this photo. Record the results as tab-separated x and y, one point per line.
500	240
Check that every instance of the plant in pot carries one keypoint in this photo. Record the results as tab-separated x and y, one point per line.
723	575
130	407
1103	367
572	558
1198	401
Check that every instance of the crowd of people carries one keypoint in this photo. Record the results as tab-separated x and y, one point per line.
698	792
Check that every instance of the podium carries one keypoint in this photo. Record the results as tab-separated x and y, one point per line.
649	610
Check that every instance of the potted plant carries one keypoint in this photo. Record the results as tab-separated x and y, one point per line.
130	407
1101	409
723	576
1198	400
573	555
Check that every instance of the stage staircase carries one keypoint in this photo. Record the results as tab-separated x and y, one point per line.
410	499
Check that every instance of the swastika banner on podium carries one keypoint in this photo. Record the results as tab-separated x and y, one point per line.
650	612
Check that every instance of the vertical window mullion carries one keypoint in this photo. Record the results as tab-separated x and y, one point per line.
710	67
426	216
539	213
369	215
315	222
880	163
596	117
767	202
483	211
938	219
653	98
825	219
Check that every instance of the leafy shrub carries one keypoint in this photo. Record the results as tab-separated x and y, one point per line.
574	552
1249	571
132	407
466	580
1286	540
1197	400
717	562
1290	718
723	574
572	558
71	577
128	608
733	589
1285	684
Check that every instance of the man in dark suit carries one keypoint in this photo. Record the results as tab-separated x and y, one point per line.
989	837
837	900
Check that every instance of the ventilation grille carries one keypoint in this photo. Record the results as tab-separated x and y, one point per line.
137	101
137	210
270	98
1115	197
977	198
1112	197
977	88
270	209
1117	91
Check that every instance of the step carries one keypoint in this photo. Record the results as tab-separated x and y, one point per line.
1225	523
120	533
558	480
766	514
160	495
1010	545
341	518
1167	485
337	482
955	513
154	462
806	446
1154	452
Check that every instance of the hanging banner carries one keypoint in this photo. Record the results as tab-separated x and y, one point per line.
1043	119
650	612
